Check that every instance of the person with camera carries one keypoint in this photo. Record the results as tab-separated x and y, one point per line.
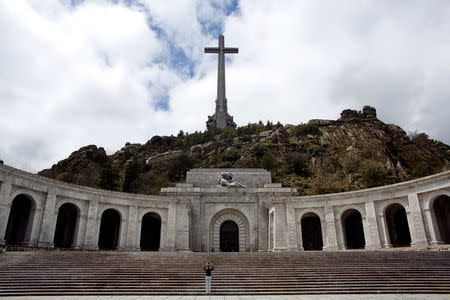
208	267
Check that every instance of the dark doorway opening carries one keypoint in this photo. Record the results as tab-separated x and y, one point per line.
441	208
229	237
398	228
311	232
19	220
66	224
353	228
109	230
150	232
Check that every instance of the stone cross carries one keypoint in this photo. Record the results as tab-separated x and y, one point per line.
221	119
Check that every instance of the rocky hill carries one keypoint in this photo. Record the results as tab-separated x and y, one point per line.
323	156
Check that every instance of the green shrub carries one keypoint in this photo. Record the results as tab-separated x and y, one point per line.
376	176
177	169
259	150
229	133
131	174
109	178
297	163
232	154
268	162
305	129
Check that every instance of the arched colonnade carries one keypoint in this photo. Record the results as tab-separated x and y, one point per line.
22	214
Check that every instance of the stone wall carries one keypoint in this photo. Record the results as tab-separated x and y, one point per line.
268	216
47	196
416	197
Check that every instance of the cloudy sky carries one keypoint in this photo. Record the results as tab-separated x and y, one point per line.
74	73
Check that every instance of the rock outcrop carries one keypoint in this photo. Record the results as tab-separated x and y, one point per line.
322	156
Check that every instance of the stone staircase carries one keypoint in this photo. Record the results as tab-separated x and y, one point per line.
151	273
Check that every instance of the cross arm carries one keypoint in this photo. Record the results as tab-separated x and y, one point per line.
230	50
212	50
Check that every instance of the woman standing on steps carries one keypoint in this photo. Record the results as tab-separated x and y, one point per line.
208	267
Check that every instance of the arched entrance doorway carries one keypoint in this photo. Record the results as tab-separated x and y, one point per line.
441	209
243	228
109	230
311	232
353	229
398	228
19	221
66	224
229	237
150	232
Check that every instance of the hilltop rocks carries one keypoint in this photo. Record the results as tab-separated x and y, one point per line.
203	151
169	155
322	156
368	113
81	167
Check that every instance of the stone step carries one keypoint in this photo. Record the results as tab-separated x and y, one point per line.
116	273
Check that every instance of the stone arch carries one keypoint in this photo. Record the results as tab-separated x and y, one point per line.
66	225
397	223
440	206
162	213
347	208
35	197
240	220
150	239
429	199
20	220
352	223
109	233
311	230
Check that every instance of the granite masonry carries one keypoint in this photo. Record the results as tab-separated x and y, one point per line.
202	215
221	118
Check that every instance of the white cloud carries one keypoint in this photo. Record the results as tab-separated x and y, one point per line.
94	73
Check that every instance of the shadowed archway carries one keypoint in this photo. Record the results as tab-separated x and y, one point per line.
150	232
441	209
66	224
353	229
229	237
109	230
236	217
20	220
397	223
311	232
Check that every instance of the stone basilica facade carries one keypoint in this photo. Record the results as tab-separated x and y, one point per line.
249	214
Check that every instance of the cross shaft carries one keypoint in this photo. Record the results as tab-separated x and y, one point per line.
221	101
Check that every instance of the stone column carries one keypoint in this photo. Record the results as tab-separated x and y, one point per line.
197	231
270	235
92	226
123	235
330	242
5	206
383	230
435	237
371	228
292	237
418	236
132	243
49	220
280	227
300	236
263	224
182	237
171	226
340	234
80	230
